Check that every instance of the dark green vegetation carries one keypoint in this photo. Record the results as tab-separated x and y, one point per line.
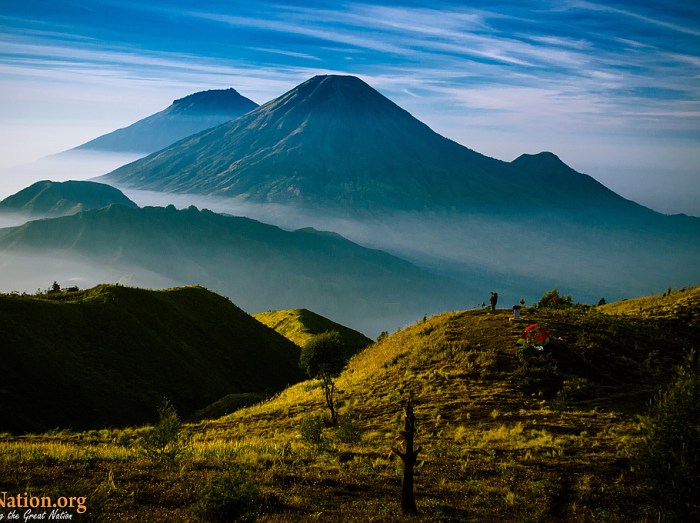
323	358
258	266
501	441
51	199
109	355
186	116
300	325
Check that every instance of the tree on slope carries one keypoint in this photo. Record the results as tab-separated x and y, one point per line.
324	358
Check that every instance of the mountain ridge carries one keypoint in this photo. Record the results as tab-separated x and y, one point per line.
335	141
184	117
260	266
51	199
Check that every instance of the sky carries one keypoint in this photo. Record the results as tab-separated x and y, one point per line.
612	88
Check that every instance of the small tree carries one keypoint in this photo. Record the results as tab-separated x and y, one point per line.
164	440
324	357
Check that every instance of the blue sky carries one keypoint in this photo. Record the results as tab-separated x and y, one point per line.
613	88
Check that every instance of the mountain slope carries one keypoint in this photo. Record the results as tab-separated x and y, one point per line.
186	116
109	355
50	199
300	325
335	141
259	266
674	305
331	140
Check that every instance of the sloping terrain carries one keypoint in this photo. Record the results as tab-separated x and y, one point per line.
505	434
300	325
184	117
51	199
109	355
674	305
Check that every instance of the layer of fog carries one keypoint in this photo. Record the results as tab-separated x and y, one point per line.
498	253
71	165
32	272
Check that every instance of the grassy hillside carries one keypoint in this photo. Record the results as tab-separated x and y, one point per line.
504	437
675	305
109	355
300	325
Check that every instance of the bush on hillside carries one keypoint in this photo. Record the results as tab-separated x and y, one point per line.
164	442
553	299
230	497
311	431
669	455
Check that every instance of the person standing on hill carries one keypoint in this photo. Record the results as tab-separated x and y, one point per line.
493	300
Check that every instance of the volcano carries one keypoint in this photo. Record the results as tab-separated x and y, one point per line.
184	117
335	140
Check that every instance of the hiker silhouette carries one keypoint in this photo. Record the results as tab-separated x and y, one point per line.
493	300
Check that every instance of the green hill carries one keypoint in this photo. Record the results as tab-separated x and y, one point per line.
109	355
50	199
504	437
300	325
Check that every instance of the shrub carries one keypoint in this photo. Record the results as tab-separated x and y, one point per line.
348	430
669	455
553	299
230	497
311	430
164	441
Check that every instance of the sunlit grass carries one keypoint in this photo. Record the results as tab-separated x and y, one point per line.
492	449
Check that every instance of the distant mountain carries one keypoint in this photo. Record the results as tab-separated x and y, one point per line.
51	199
334	140
301	325
186	116
261	267
109	355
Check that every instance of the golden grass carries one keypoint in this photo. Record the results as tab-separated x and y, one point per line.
492	450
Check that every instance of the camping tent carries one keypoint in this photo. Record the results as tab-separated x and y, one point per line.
534	335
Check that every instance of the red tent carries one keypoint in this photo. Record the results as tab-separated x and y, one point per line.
534	335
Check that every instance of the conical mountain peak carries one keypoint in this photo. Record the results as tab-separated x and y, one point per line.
217	101
184	117
541	161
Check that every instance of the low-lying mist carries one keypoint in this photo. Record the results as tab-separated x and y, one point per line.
32	271
72	165
518	256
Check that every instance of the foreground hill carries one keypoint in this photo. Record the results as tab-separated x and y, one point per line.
184	117
300	325
109	355
504	436
259	266
51	199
